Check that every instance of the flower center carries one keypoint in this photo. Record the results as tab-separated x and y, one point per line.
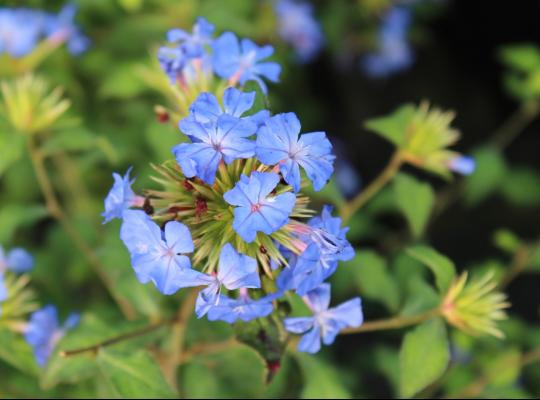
256	207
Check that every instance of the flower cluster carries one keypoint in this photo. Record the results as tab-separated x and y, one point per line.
231	218
394	52
297	26
21	30
188	54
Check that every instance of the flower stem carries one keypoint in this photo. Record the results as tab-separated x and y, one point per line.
350	208
393	323
55	210
515	124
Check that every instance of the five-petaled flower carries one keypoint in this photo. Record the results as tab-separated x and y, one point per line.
326	323
242	61
256	210
278	143
121	197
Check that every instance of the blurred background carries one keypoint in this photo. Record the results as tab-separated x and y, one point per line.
457	58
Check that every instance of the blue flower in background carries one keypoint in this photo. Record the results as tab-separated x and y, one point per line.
193	45
256	211
394	51
17	260
21	29
224	139
242	61
206	107
243	308
158	256
297	26
326	323
43	332
121	197
327	245
462	165
172	61
278	142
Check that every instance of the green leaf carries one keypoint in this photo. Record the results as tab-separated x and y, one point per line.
415	199
441	266
15	351
321	380
522	57
522	187
393	127
133	375
237	372
11	148
15	216
421	297
70	140
507	240
424	357
370	273
488	176
505	368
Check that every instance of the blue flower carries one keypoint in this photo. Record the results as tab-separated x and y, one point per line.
235	271
462	165
172	61
242	61
43	332
243	308
394	53
193	45
225	139
120	197
278	142
327	245
256	211
62	27
17	260
158	256
206	107
3	290
298	27
20	30
326	323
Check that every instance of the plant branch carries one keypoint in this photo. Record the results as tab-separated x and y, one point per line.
393	323
55	210
514	125
350	208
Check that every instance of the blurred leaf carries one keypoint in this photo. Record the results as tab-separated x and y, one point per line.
133	375
161	138
504	368
70	140
534	259
393	127
131	5
489	174
522	187
420	297
15	216
122	82
372	276
11	149
237	372
415	200
506	240
387	361
424	357
523	57
321	380
16	352
441	266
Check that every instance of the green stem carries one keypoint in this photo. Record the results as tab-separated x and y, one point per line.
55	210
350	208
514	125
393	323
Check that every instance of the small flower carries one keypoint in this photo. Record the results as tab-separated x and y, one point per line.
20	30
278	143
326	323
256	211
475	306
206	108
462	165
43	332
172	61
243	308
326	245
158	256
394	53
235	271
193	45
17	260
242	61
298	27
121	197
225	139
62	28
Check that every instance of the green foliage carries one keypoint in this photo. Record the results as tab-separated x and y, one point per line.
415	200
393	127
443	268
424	357
490	173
